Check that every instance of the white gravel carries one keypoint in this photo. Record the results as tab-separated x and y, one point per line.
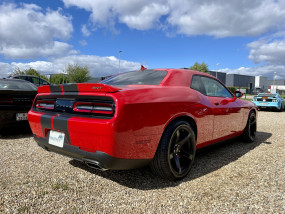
232	177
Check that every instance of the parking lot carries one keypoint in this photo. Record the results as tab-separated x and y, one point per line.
232	177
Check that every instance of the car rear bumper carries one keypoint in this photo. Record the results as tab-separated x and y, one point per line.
8	119
267	105
97	159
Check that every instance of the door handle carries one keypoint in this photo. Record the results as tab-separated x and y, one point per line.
217	104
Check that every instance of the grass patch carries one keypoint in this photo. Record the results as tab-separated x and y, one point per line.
57	186
4	184
23	209
44	193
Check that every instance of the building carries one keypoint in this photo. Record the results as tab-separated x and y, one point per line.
276	82
238	80
261	84
220	75
255	84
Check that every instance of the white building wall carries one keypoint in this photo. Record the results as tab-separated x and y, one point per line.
261	82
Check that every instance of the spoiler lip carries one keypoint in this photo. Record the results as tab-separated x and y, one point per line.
78	87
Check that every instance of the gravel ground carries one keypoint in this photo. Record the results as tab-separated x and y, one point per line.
232	177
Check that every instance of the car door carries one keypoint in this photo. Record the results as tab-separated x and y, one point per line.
228	113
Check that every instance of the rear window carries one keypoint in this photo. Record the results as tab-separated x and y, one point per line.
145	77
266	95
17	85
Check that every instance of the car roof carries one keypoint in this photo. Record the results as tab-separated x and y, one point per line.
14	80
180	77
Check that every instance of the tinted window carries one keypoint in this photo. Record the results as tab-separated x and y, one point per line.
209	87
146	77
198	85
17	85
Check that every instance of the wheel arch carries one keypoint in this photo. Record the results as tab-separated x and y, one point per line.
186	118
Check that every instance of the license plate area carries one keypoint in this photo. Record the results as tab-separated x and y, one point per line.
21	116
56	138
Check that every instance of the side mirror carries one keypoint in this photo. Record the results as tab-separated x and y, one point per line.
238	94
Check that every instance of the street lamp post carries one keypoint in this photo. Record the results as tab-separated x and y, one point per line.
217	69
120	61
274	80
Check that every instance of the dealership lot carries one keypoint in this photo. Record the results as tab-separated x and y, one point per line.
231	177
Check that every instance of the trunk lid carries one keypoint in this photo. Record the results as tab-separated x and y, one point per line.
78	87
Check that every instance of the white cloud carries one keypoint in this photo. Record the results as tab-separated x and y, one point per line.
26	31
98	66
83	42
266	71
85	31
221	18
270	50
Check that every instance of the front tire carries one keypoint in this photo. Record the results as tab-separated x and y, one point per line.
249	133
176	152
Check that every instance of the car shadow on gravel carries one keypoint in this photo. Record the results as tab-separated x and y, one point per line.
15	132
208	159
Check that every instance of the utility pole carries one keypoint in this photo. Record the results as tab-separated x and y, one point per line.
217	65
120	61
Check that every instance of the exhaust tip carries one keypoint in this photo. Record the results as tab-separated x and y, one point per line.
94	165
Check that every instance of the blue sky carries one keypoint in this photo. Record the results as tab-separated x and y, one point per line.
244	37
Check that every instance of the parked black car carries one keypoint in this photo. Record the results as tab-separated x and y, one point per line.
33	79
16	99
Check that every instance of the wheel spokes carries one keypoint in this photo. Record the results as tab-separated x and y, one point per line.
187	155
177	162
177	136
184	140
252	123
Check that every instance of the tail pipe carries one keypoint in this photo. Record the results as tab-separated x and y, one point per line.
94	164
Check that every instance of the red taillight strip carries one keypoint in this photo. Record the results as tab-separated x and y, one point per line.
6	101
83	107
45	104
96	108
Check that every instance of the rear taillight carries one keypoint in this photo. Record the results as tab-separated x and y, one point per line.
6	101
45	105
93	107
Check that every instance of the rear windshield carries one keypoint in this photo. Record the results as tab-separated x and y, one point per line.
17	85
266	95
146	77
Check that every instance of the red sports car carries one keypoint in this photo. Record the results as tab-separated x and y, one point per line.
157	117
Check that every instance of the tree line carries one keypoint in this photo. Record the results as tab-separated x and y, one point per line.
72	74
78	74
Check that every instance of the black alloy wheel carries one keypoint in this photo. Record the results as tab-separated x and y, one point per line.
249	133
176	151
180	152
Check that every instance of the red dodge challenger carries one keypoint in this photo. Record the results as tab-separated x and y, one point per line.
153	117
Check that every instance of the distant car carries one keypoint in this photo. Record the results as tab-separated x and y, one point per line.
157	117
33	79
16	99
269	101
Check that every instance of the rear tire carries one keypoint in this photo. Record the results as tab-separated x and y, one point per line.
176	152
249	133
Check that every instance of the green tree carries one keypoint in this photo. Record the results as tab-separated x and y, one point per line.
32	71
203	67
29	71
58	79
77	74
17	71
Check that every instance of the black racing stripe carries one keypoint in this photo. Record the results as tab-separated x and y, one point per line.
60	123
55	88
45	122
70	87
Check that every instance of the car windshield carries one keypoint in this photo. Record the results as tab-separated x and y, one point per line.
145	77
17	85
